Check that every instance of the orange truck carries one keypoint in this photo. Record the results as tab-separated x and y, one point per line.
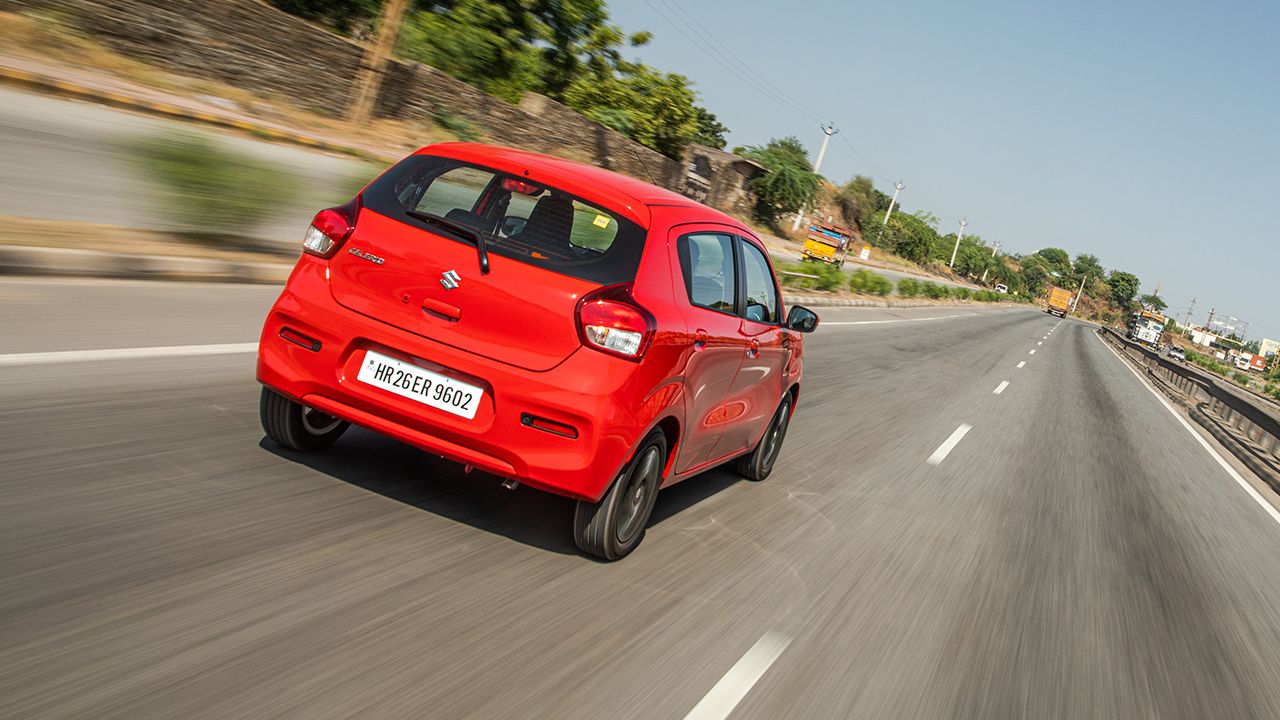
1059	301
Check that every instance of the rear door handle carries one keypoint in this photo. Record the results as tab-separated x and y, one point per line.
442	310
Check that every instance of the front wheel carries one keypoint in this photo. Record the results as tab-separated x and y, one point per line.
757	464
611	528
295	426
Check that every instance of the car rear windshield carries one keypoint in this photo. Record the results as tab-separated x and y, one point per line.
525	221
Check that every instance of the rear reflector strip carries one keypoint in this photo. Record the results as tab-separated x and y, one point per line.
550	426
298	338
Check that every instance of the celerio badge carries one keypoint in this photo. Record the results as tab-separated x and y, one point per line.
449	279
367	256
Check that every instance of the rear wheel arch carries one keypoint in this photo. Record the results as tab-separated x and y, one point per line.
670	427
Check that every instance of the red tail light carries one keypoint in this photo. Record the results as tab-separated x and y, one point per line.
330	228
610	321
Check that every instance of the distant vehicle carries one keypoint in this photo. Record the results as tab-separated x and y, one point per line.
828	243
1177	353
1059	301
514	312
1147	327
1002	288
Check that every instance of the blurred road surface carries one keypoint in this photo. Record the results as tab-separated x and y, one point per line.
926	547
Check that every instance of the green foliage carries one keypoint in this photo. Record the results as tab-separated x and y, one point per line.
1273	367
1208	362
857	203
660	107
789	183
710	131
1035	274
961	293
934	291
909	288
481	42
1088	268
1241	378
830	277
1253	346
869	283
799	283
341	16
1153	302
1124	286
210	190
1056	260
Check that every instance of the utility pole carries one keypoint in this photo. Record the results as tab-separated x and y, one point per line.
827	131
1208	324
994	249
1079	292
374	64
897	188
956	249
1186	319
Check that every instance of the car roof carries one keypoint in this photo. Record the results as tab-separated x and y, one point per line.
624	195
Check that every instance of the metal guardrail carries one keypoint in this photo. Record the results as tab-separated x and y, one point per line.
1249	427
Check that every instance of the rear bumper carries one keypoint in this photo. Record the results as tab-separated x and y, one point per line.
589	392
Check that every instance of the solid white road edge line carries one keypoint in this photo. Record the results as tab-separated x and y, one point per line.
945	448
721	699
1275	514
1024	362
64	356
899	320
1000	388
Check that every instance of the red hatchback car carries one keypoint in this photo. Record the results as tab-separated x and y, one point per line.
548	322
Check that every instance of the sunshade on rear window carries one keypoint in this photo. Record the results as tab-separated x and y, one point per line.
525	221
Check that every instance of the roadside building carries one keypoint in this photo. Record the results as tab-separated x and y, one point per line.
1268	347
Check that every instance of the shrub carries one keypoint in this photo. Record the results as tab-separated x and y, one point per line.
961	293
830	277
881	285
869	283
908	288
800	283
210	190
934	291
1240	378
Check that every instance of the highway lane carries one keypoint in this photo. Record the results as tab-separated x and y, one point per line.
1074	554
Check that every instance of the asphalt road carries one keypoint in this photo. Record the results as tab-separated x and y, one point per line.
1075	553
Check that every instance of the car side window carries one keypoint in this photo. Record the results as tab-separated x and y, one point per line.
706	260
761	291
457	189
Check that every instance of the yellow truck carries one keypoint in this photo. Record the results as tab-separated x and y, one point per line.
827	242
1059	301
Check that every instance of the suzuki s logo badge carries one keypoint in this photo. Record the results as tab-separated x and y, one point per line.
449	280
367	256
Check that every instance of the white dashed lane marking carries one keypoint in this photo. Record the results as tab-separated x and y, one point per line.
948	445
1000	388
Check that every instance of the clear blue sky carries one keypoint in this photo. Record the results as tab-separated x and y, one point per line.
1145	133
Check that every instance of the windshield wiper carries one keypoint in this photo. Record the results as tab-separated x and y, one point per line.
466	231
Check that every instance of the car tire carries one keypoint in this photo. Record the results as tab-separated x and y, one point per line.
757	464
295	426
611	528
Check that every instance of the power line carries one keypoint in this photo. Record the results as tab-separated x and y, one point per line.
756	83
759	77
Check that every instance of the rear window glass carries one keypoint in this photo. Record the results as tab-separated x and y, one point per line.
533	223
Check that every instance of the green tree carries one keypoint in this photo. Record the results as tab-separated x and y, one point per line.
1088	268
1035	274
789	182
1154	302
1057	261
483	43
1253	346
1124	286
710	131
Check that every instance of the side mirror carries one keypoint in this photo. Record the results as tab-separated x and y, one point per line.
802	319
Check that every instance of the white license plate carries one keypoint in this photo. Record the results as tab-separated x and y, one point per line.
429	388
